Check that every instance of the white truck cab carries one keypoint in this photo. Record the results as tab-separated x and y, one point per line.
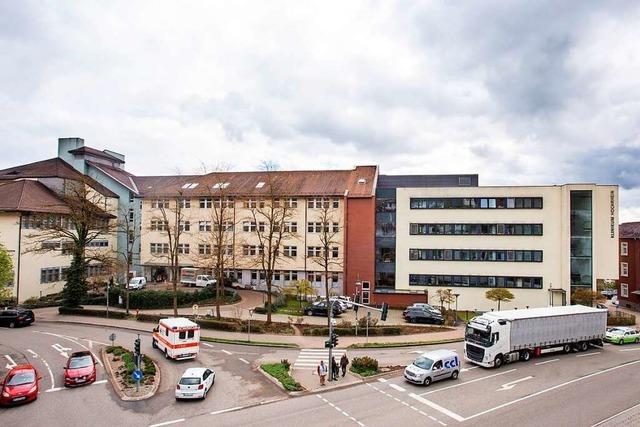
177	337
433	366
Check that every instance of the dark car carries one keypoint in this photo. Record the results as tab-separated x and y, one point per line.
421	315
13	317
320	309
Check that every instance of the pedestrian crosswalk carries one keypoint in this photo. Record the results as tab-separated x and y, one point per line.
309	358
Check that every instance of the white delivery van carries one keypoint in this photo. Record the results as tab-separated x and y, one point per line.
433	366
177	338
137	283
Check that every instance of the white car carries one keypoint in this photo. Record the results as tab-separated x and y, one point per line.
137	283
341	303
346	300
195	383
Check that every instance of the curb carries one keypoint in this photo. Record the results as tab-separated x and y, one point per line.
117	387
279	384
376	346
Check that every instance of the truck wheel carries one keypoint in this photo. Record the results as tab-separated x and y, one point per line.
497	362
583	346
427	381
12	324
566	349
454	375
525	355
154	344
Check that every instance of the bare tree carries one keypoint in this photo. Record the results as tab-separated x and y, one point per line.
270	215
85	220
126	227
169	220
326	255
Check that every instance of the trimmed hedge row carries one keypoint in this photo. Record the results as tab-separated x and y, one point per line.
621	319
375	331
94	313
149	299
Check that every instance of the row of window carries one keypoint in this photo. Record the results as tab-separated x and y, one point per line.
247	226
56	274
475	281
229	202
47	222
476	229
312	276
247	250
475	255
476	203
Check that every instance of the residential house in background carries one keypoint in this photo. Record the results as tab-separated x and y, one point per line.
629	283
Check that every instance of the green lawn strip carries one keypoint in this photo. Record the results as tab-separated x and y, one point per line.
404	344
245	342
279	371
364	372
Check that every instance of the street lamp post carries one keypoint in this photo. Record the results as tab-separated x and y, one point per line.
249	326
455	320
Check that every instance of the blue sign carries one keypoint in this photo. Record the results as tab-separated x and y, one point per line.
137	375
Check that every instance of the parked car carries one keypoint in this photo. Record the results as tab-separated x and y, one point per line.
425	306
80	369
137	283
20	385
320	309
614	301
622	335
347	300
195	383
341	303
609	293
421	315
13	317
433	366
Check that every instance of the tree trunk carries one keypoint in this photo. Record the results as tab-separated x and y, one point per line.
268	300
326	289
498	305
174	281
126	284
218	287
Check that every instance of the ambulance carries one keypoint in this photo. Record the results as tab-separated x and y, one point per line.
177	337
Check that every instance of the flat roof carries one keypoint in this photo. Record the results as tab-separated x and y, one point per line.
178	322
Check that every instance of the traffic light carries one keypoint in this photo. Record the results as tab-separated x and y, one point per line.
327	344
334	340
136	346
385	310
356	299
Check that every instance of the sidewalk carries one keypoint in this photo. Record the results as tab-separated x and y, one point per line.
308	378
51	314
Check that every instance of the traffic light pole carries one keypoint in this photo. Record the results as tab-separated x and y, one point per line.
330	314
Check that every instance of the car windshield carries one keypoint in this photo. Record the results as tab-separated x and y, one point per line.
25	377
80	362
423	363
478	336
617	331
189	381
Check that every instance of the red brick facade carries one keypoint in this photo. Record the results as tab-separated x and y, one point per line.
632	280
360	243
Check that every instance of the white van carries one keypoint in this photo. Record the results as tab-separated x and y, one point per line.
177	338
137	283
433	366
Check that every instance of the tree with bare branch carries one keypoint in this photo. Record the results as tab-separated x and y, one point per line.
327	225
83	218
126	227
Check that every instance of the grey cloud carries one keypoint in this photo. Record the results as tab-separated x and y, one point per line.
615	165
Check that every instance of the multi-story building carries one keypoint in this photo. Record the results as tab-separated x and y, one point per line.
629	283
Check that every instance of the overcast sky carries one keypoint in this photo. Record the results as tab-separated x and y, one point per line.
533	93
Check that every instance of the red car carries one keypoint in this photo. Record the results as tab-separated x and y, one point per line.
20	385
80	369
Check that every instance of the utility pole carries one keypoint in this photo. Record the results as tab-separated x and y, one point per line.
368	320
330	314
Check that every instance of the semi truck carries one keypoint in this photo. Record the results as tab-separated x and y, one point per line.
500	337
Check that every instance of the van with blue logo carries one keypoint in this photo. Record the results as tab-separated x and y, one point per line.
433	366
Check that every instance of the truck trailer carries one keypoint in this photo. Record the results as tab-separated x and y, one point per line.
500	337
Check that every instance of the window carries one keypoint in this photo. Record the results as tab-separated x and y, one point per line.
189	185
624	290
318	202
624	248
290	275
501	255
226	202
253	203
94	270
476	203
335	227
314	227
131	215
262	227
204	249
185	226
291	202
51	274
314	251
260	184
315	277
476	229
97	243
204	225
335	203
291	227
226	226
205	202
335	277
159	225
159	248
335	252
475	281
291	251
184	203
160	204
249	250
249	226
183	248
624	269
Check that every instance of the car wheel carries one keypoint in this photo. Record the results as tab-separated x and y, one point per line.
308	313
427	381
166	354
154	344
454	375
12	324
525	355
619	342
497	362
204	395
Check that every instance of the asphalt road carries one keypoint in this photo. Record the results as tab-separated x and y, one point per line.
46	346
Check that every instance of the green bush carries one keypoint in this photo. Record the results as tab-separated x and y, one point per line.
129	364
362	322
220	325
281	372
144	317
364	366
95	313
260	310
148	368
151	299
373	331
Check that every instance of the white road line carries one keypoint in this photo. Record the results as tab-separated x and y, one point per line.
469	369
166	423
226	352
382	380
99	382
437	407
222	411
467	382
243	360
615	415
588	354
53	383
397	387
512	384
207	344
11	363
33	353
631	349
546	361
54	389
73	340
63	388
624	365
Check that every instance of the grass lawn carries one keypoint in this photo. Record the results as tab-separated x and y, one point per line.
280	372
292	308
363	372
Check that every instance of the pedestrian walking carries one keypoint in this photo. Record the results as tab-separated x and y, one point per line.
322	372
344	361
334	369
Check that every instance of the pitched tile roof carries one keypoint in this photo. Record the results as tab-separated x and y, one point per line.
630	230
123	177
95	152
52	168
29	196
358	182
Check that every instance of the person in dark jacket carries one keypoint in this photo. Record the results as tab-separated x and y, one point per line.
344	361
334	369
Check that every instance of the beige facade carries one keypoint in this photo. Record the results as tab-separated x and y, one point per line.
553	269
290	267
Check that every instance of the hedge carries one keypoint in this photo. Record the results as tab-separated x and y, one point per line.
621	319
374	331
280	371
94	313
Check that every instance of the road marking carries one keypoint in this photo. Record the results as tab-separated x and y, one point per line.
64	388
624	365
207	344
631	349
339	410
54	389
33	353
222	411
11	363
53	383
62	350
467	382
243	360
588	354
226	352
437	407
166	423
512	384
99	382
382	380
615	415
469	369
546	361
75	341
396	387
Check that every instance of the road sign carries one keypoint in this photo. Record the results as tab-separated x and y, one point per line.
112	337
137	375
